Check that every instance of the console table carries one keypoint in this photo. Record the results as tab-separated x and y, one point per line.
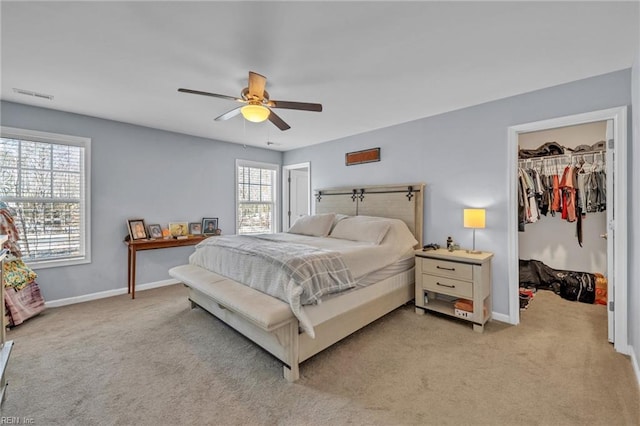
137	245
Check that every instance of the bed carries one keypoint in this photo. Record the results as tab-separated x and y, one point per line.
294	332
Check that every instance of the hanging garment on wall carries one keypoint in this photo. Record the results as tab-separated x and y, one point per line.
8	228
23	304
17	274
22	297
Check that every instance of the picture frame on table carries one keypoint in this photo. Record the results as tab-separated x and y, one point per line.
137	230
210	226
155	231
179	229
195	228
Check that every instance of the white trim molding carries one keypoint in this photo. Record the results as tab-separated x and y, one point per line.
619	117
285	189
85	196
109	293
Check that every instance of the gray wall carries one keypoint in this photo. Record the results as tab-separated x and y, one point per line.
462	157
138	172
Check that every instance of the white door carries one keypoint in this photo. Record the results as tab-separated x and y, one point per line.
298	194
610	235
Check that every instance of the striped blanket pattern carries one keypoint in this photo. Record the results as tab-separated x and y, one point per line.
295	273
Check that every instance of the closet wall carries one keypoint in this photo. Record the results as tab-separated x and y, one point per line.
552	240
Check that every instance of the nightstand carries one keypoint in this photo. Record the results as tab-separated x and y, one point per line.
444	278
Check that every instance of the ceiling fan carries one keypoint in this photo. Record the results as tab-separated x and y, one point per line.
257	105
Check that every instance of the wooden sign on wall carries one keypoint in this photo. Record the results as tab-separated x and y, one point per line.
359	157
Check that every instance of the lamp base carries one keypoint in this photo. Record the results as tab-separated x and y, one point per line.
474	251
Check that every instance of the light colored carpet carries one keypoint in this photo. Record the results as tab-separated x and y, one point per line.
154	361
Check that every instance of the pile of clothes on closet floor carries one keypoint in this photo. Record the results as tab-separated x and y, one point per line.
571	285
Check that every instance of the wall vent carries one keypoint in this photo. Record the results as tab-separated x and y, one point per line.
35	94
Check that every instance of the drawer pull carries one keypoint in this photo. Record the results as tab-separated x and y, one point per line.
446	269
445	285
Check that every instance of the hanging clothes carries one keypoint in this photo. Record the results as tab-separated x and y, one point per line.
568	194
556	205
572	190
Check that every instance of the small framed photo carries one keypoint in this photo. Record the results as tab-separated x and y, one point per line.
179	229
155	231
209	225
137	230
195	228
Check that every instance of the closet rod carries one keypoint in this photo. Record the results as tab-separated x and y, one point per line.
571	154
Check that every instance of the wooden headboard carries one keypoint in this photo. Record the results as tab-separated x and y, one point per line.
398	201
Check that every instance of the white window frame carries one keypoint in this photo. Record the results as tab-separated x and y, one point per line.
85	190
275	226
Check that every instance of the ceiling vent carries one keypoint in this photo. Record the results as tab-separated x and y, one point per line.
34	94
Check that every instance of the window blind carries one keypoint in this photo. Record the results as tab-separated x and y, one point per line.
44	183
256	184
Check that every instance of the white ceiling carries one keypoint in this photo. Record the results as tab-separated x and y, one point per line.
371	64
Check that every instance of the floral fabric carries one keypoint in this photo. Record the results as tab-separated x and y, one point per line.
17	274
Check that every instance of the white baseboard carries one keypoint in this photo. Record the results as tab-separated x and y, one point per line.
108	293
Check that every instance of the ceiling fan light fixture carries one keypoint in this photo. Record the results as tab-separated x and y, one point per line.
255	113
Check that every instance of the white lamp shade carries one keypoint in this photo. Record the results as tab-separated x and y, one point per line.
255	113
474	218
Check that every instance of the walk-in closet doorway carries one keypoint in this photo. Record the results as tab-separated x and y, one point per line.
613	123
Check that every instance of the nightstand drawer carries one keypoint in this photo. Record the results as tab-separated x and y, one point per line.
457	270
447	286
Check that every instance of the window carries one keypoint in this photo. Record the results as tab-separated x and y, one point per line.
256	197
44	179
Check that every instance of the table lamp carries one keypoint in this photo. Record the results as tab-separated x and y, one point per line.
475	219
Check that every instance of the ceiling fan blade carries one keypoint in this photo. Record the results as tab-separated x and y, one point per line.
214	95
279	122
229	114
305	106
257	83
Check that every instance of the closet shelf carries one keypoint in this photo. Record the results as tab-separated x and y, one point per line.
565	155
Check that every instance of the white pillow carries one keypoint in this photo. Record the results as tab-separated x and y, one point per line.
399	236
361	228
339	217
317	225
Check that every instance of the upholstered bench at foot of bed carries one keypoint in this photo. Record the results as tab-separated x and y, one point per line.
264	319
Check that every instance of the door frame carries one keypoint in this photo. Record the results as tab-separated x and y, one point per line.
285	188
619	225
